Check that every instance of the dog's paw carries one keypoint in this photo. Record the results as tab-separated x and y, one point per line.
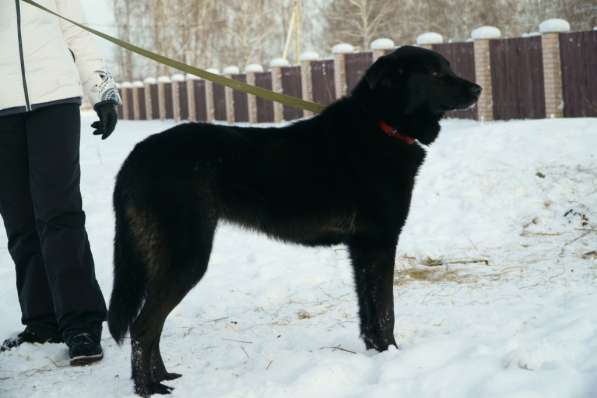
153	388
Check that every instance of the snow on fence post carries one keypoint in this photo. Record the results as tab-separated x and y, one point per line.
177	84
340	50
250	71
481	37
552	68
137	86
276	68
428	39
190	90
163	85
229	71
381	46
306	83
209	97
120	108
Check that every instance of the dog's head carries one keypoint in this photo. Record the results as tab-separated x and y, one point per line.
414	83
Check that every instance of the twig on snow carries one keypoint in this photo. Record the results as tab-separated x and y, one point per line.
338	347
238	341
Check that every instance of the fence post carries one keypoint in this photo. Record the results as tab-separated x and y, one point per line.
162	80
340	50
276	68
209	97
125	91
306	82
481	37
428	39
380	47
136	103
190	89
552	68
250	70
177	85
148	107
228	92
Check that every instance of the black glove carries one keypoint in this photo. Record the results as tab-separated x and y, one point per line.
106	110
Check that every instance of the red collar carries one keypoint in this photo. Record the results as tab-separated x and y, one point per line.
392	132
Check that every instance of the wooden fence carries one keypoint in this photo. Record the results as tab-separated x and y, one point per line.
546	75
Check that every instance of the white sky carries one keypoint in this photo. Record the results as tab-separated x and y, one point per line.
99	16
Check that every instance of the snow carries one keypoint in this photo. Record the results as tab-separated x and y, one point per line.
309	56
188	76
554	25
486	32
430	38
342	48
138	83
231	70
278	62
253	68
163	79
265	320
178	77
382	44
215	71
149	80
126	85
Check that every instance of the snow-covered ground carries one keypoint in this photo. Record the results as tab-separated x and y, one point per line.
276	320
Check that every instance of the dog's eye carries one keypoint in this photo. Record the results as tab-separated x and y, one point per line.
436	74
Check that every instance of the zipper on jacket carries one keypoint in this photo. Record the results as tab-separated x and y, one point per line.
28	105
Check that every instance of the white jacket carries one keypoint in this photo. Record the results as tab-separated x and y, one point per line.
45	60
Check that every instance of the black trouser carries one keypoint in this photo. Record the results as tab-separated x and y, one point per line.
40	203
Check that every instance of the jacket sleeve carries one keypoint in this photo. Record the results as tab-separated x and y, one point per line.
97	82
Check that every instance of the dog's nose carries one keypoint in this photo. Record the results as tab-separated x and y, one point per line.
476	90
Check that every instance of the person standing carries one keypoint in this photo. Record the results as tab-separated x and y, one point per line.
45	65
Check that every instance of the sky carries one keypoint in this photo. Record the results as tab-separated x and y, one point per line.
99	15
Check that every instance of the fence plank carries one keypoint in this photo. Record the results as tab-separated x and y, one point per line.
155	102
356	66
200	105
265	108
322	77
168	101
241	102
142	109
578	53
291	85
183	101
517	78
219	102
462	60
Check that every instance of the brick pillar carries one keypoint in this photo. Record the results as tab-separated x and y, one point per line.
276	68
428	39
229	71
306	80
552	68
148	82
209	97
162	80
381	47
136	104
481	37
250	70
340	51
178	84
190	88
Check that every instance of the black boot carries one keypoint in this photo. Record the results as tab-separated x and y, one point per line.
31	335
84	349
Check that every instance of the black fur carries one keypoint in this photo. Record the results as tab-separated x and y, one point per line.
333	179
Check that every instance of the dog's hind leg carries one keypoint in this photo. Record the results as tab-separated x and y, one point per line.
188	241
373	266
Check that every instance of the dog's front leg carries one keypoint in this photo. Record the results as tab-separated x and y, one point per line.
373	266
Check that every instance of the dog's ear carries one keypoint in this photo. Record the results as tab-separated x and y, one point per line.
383	71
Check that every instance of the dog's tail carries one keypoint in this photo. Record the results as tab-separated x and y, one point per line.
130	275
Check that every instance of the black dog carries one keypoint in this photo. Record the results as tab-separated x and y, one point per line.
342	177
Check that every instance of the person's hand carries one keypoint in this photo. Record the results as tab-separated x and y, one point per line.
106	110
